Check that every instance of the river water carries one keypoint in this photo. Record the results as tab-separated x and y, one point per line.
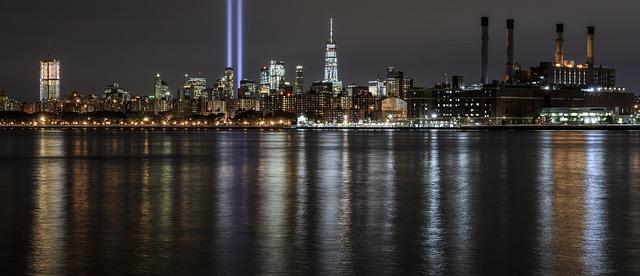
244	202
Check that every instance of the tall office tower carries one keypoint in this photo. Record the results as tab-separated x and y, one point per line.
299	84
407	85
276	75
264	80
395	81
331	62
228	80
378	88
194	87
49	79
248	89
160	88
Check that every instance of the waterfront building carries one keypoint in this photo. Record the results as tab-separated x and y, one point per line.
581	116
49	79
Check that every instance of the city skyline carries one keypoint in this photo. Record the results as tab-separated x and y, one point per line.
425	62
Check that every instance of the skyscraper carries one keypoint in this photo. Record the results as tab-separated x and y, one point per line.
331	62
228	81
276	75
194	87
299	84
264	80
395	82
248	90
49	79
160	88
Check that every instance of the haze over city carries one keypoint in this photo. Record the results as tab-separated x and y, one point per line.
119	41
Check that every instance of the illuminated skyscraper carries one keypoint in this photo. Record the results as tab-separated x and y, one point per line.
264	80
49	79
331	62
395	80
248	90
160	88
276	75
299	84
228	80
194	87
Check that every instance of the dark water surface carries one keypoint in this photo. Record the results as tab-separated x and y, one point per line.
329	202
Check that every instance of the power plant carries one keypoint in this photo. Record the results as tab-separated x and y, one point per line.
557	74
560	91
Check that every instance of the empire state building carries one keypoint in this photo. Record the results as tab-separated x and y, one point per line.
331	63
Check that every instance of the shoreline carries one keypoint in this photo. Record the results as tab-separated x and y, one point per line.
371	128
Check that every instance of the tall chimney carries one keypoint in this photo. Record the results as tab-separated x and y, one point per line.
559	43
591	31
484	52
510	47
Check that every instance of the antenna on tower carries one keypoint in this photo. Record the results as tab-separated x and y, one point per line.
331	30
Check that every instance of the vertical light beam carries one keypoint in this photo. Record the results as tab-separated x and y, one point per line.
229	33
239	37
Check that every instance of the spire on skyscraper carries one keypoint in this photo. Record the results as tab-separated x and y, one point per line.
331	62
331	30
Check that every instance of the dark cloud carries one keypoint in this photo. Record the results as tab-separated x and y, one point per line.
129	41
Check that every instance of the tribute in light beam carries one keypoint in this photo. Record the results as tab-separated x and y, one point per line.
229	33
239	37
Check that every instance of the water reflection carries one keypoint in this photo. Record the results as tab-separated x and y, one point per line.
462	223
434	230
48	256
329	202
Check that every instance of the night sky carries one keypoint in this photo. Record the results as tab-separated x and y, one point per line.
129	41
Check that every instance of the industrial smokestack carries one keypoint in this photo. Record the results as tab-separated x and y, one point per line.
510	48
559	43
484	52
591	31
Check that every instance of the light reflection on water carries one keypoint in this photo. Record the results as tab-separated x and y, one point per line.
331	202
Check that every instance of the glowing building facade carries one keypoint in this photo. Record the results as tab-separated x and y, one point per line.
161	89
276	75
299	83
228	82
264	80
194	87
49	80
331	62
